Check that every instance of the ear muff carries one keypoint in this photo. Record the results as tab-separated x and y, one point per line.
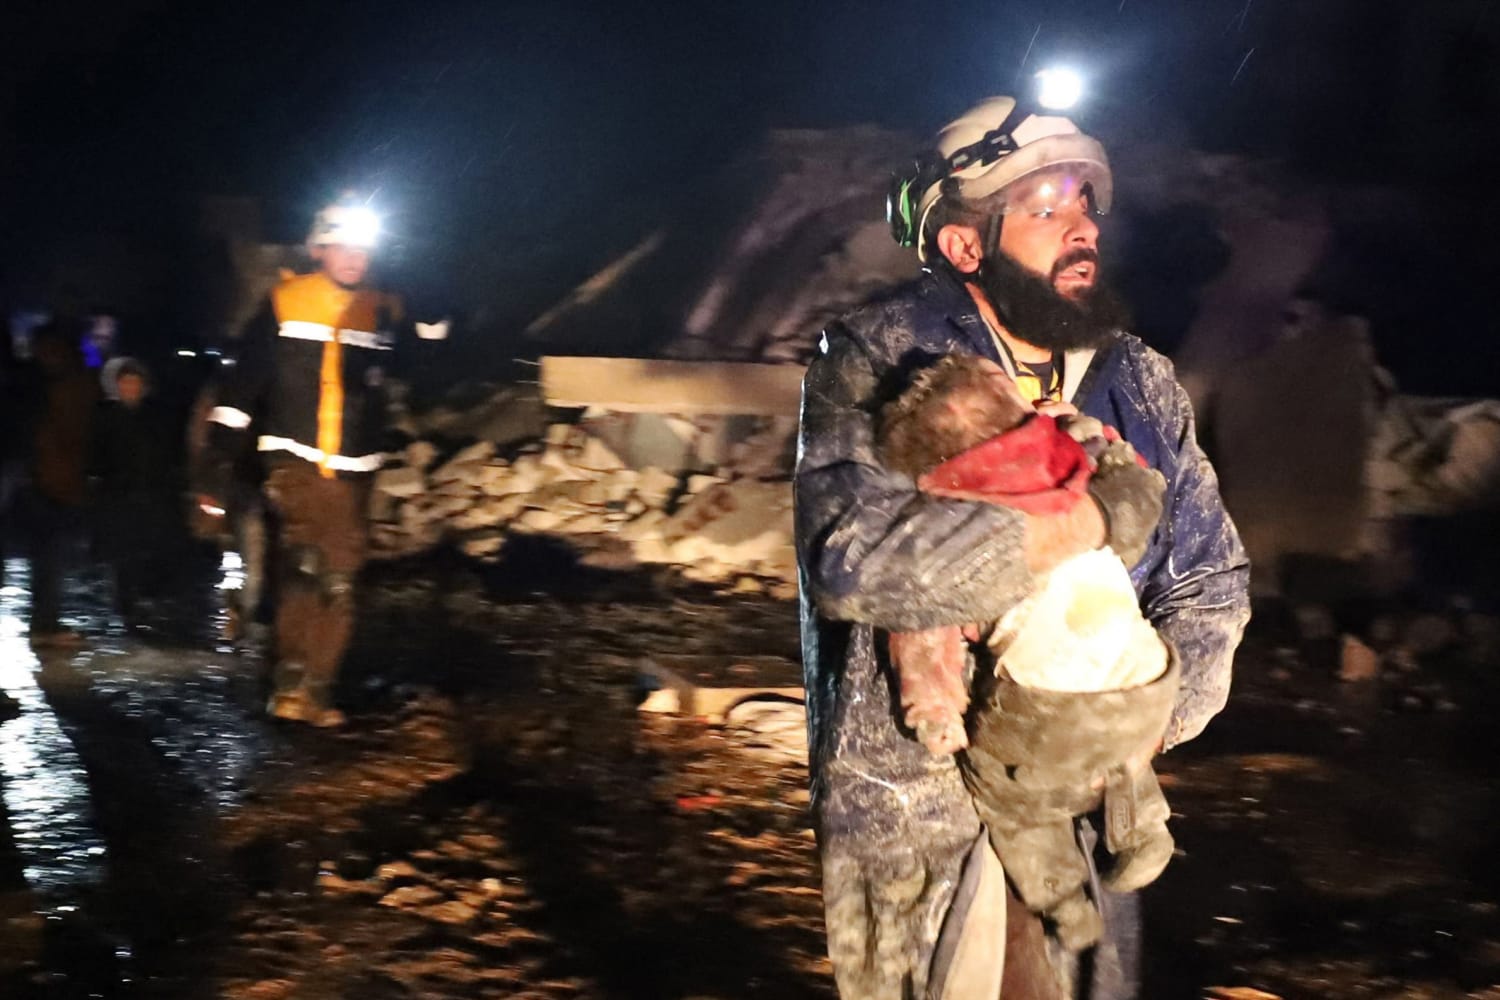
901	208
903	203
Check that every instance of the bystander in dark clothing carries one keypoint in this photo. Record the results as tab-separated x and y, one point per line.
138	490
60	408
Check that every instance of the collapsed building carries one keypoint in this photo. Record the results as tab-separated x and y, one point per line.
686	461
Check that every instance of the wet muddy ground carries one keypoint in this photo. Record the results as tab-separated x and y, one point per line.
498	820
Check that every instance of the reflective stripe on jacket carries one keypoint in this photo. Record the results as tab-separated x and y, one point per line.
309	372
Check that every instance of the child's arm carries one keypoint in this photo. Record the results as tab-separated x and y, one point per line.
929	667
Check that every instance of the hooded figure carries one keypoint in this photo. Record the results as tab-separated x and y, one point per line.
138	483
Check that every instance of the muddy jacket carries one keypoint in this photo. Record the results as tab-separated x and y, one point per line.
875	554
309	372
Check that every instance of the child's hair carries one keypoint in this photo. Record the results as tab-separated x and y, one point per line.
947	409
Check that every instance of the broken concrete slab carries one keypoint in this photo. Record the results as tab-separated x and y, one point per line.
710	686
399	481
634	385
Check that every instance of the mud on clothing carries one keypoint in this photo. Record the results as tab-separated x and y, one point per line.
320	521
895	825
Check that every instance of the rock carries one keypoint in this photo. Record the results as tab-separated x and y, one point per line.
467	464
331	882
736	525
420	454
465	486
620	485
397	871
497	479
1357	662
447	506
528	474
648	525
655	486
383	506
598	457
400	481
411	896
483	543
768	452
537	520
562	467
586	523
452	912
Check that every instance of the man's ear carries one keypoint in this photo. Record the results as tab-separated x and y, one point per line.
961	245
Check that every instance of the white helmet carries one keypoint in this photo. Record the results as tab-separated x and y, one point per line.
346	222
990	147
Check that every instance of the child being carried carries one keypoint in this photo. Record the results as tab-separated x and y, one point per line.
1081	682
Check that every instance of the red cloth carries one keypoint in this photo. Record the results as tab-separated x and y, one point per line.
1035	467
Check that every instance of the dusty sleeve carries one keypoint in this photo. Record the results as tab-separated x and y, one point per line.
1197	594
873	549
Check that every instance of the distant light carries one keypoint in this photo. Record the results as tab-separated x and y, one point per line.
1058	89
226	361
233	568
185	353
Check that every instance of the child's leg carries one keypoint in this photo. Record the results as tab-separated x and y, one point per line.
1135	829
930	667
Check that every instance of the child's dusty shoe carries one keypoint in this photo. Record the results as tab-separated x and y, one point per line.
1135	829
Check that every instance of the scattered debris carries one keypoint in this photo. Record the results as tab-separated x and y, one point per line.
1357	661
721	512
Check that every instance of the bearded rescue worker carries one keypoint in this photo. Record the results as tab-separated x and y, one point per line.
309	377
1003	215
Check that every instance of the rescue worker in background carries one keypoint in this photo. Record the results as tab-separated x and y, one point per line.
1003	215
309	375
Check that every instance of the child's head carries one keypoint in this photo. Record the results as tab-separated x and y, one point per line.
961	401
127	380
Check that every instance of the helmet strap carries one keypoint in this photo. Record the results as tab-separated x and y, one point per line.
991	244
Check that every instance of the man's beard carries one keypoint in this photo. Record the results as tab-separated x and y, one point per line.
1032	310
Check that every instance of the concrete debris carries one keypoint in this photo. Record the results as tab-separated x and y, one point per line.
410	897
1357	662
400	482
713	496
637	385
420	454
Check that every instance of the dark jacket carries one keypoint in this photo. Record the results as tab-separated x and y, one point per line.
58	437
875	554
135	454
309	372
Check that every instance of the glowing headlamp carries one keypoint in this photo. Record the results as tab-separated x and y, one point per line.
1058	88
347	225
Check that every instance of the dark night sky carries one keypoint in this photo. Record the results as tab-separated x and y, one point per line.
535	141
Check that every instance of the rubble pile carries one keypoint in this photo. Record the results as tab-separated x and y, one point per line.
710	495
